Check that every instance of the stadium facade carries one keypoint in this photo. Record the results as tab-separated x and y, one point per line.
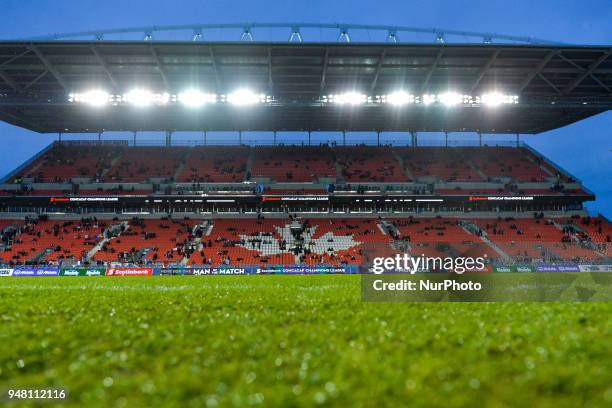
312	205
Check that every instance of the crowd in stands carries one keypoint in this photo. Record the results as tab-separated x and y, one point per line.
335	241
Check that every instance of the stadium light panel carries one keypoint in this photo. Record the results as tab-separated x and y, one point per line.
245	97
495	99
399	98
194	98
348	98
428	99
143	98
492	99
95	98
450	98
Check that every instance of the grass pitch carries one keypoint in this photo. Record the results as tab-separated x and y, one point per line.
294	341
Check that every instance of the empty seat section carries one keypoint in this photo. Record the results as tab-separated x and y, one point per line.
215	165
369	164
445	164
293	164
139	164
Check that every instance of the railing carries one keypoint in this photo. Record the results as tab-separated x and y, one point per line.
296	32
297	140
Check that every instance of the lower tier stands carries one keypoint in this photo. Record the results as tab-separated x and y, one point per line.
316	241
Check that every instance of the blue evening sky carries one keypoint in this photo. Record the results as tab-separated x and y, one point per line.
584	148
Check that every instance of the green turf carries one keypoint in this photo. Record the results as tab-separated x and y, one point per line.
295	341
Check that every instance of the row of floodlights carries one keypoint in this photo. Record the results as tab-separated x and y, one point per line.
192	98
401	98
195	98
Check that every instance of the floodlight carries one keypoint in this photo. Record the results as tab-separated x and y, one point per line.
139	97
495	99
400	98
428	99
194	98
93	98
492	99
349	98
244	97
450	98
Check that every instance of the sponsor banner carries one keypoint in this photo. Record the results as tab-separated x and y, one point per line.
170	271
35	271
595	268
218	271
525	268
504	268
307	270
6	272
557	268
129	271
82	272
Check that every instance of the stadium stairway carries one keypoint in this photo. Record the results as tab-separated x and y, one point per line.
473	229
95	249
476	169
400	160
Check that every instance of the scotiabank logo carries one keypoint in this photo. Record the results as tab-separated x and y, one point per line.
129	271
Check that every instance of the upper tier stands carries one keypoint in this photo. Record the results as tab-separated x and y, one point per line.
61	163
369	164
356	164
293	164
446	164
215	165
143	163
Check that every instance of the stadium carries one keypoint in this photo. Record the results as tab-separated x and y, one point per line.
294	157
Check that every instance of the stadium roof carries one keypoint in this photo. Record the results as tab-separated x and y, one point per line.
556	85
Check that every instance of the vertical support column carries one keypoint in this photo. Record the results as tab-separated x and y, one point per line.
344	137
205	137
378	138
134	138
274	141
518	142
309	137
415	139
446	139
479	139
240	137
59	138
168	138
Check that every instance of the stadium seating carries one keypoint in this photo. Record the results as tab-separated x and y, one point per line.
369	164
138	164
356	164
293	164
54	241
535	239
161	240
446	164
215	164
62	163
440	237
